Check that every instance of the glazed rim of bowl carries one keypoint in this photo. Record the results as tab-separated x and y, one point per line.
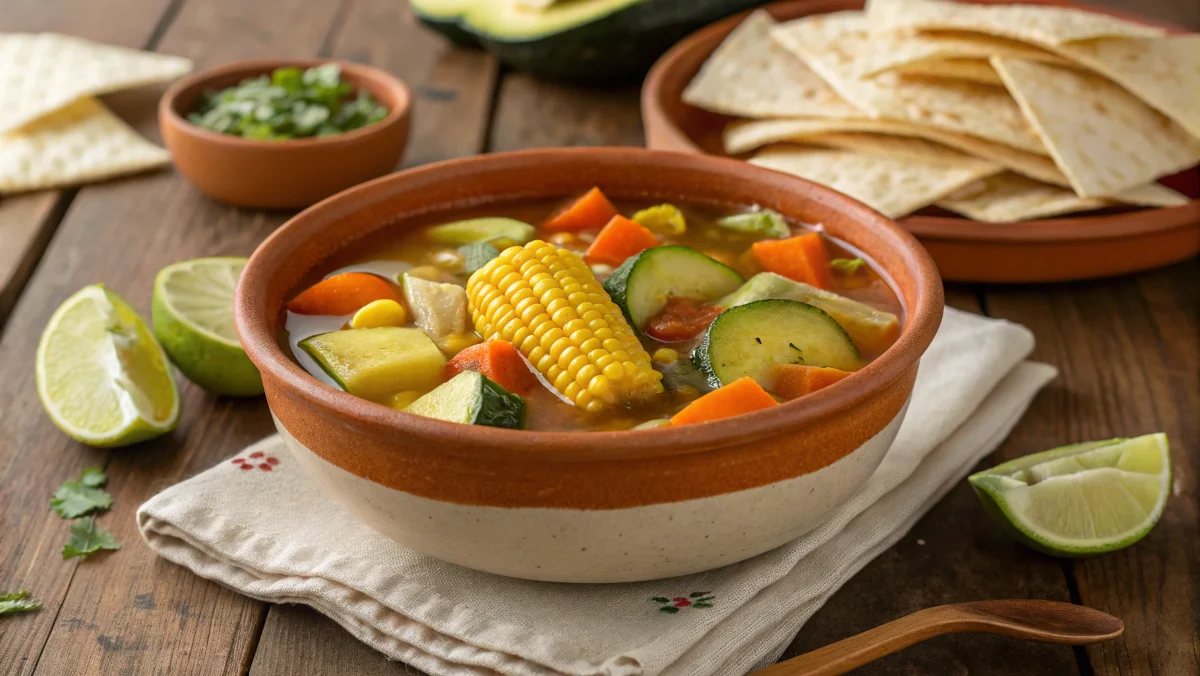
262	290
398	100
1064	228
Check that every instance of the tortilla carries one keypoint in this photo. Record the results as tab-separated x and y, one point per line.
893	50
1102	137
830	44
970	70
899	147
744	136
1009	197
42	72
893	186
1036	24
80	143
749	74
1162	72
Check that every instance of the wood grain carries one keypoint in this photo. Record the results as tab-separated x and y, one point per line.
298	635
1129	355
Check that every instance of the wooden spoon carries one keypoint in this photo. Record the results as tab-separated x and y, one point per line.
1045	621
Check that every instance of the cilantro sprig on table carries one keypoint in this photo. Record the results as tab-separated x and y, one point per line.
289	104
75	499
18	602
87	538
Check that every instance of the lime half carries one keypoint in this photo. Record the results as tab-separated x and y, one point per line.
101	376
1081	500
193	319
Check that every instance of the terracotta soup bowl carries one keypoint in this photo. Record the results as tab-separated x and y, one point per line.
586	506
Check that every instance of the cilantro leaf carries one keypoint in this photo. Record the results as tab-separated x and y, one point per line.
76	498
847	266
87	538
18	602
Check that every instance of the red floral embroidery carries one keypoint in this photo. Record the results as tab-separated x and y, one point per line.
697	599
266	465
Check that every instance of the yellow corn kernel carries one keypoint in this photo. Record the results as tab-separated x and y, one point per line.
457	342
546	302
401	400
567	240
383	312
665	355
427	272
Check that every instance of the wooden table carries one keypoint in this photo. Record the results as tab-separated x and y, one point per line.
1128	350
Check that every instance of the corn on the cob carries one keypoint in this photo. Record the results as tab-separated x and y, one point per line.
548	304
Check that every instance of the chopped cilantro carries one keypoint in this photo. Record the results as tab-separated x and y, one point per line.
76	498
847	266
18	602
289	104
87	538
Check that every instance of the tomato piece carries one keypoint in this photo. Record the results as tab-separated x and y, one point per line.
681	319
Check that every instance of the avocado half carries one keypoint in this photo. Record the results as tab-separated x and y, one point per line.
574	39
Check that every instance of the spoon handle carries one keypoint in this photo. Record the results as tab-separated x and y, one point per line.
1046	621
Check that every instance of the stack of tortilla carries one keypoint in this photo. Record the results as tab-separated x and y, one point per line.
53	131
1000	113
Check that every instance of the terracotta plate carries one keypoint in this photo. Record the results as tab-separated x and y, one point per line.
1098	244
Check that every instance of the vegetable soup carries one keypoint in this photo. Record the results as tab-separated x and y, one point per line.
592	315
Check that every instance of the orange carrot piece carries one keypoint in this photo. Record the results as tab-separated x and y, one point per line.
802	258
797	380
343	294
619	240
743	395
589	212
498	360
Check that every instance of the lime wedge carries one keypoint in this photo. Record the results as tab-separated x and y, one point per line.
193	319
1083	499
101	376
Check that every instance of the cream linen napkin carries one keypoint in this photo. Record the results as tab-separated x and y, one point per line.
256	524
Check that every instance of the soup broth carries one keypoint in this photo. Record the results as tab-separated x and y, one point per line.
535	302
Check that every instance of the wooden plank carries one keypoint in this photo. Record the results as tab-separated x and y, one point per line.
30	464
533	114
1129	355
299	635
129	612
952	555
453	90
28	221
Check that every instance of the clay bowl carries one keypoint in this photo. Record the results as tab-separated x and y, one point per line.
282	174
1099	244
585	506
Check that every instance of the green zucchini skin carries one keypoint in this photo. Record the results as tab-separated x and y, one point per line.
664	271
618	45
499	407
749	339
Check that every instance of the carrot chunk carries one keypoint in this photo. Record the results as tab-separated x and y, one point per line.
589	212
498	360
343	294
619	240
743	395
801	259
797	380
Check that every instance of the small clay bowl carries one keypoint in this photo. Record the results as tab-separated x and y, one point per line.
1082	246
282	174
586	506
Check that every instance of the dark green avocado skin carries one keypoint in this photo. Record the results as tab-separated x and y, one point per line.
618	46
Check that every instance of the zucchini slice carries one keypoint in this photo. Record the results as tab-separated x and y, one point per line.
497	230
749	339
471	398
873	330
643	283
376	363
